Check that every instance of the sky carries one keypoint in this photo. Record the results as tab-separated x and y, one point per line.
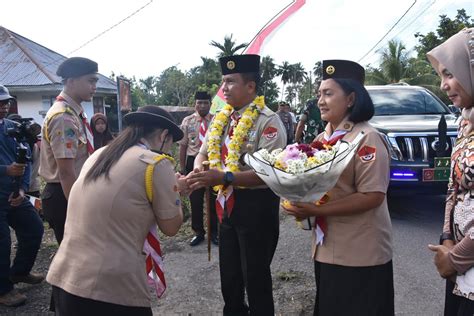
177	32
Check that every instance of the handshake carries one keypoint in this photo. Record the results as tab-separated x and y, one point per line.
199	178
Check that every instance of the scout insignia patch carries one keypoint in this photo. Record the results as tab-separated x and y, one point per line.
270	132
69	133
367	154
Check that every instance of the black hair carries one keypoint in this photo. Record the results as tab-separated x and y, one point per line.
112	153
363	107
252	76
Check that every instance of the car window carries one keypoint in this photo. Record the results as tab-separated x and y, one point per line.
405	102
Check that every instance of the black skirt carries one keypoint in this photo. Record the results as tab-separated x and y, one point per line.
355	291
68	304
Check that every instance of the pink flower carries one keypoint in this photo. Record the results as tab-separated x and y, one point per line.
292	152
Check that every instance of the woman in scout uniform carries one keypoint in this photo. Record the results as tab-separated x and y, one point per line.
122	191
246	208
454	62
353	265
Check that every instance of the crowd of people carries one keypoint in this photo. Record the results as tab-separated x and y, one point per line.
108	245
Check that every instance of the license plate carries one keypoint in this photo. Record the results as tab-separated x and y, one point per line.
435	174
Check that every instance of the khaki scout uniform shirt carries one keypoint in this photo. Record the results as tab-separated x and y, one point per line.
190	127
363	239
267	132
67	138
101	256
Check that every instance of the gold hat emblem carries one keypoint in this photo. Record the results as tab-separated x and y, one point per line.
230	64
330	70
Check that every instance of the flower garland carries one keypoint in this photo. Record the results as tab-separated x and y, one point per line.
216	131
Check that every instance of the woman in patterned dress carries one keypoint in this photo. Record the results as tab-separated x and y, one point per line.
454	62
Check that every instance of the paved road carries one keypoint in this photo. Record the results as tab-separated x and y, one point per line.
417	221
194	287
194	283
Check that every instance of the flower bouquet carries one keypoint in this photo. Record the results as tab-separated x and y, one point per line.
303	173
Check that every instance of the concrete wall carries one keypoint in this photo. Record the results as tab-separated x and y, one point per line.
33	105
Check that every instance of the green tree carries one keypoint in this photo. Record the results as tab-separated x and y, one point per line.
318	71
148	87
447	27
284	71
268	88
228	47
173	87
394	61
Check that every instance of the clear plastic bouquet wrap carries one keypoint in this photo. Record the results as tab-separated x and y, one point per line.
303	173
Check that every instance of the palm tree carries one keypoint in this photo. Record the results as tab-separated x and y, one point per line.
284	70
228	48
268	72
394	61
298	74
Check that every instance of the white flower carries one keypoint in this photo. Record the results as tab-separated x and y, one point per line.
295	166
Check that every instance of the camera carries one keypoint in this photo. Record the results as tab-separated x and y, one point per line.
24	130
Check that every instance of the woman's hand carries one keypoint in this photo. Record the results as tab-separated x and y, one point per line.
442	261
183	187
300	210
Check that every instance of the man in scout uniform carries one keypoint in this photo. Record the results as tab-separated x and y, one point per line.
246	208
194	128
67	139
285	117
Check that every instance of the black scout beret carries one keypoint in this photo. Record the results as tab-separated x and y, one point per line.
343	69
202	95
153	115
240	64
76	66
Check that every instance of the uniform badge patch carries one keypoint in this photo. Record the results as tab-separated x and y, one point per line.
69	133
367	154
270	132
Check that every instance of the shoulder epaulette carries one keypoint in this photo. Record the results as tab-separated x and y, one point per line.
50	116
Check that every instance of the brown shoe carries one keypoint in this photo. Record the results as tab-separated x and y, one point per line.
30	278
12	298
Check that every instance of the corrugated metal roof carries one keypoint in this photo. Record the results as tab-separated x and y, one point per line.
26	63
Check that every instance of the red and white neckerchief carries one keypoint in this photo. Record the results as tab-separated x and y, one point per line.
153	256
225	197
320	222
154	262
202	129
87	127
89	135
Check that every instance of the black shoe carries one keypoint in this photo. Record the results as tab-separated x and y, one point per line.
215	240
196	240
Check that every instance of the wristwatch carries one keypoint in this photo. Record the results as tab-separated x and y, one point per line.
228	178
445	236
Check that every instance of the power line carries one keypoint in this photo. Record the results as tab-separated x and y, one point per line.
110	28
421	12
85	44
389	30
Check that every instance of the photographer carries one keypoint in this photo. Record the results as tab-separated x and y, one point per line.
15	212
30	132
